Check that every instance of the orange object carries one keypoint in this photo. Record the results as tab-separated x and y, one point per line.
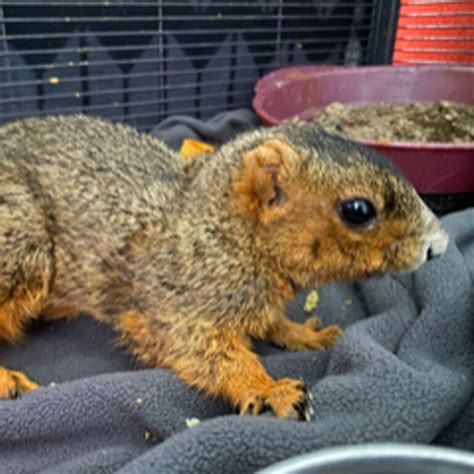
192	148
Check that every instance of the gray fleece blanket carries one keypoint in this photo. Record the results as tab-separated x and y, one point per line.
403	371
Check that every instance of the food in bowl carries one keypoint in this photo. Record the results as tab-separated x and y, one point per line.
421	122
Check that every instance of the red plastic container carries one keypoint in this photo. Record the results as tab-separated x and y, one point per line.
433	168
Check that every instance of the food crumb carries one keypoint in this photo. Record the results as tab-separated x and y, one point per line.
346	304
191	422
311	301
150	437
139	401
54	80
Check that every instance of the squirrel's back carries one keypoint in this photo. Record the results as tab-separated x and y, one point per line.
88	188
81	163
87	144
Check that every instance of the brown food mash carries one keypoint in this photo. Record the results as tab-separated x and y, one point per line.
425	122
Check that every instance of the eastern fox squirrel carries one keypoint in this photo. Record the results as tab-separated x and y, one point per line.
189	259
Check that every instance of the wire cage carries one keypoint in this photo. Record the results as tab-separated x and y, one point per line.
140	61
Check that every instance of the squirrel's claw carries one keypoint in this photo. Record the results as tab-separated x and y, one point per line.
13	384
288	399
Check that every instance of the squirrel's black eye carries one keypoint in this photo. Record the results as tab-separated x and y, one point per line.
357	212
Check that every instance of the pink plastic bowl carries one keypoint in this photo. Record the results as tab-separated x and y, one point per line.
433	168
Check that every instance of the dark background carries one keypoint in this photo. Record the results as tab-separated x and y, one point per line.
141	61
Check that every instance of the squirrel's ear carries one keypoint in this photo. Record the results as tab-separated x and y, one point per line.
260	190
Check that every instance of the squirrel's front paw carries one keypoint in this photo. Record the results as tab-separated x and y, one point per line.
13	384
306	336
324	338
287	398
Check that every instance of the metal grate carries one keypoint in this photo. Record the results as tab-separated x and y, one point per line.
141	61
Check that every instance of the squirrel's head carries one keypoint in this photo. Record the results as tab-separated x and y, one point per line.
328	210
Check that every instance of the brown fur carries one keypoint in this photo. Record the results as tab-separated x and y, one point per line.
190	260
15	313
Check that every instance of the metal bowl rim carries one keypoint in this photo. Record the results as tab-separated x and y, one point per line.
373	451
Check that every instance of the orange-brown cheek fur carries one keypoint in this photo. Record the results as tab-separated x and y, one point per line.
385	248
321	251
400	243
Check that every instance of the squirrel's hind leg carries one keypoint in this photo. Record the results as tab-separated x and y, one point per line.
26	269
14	383
13	314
